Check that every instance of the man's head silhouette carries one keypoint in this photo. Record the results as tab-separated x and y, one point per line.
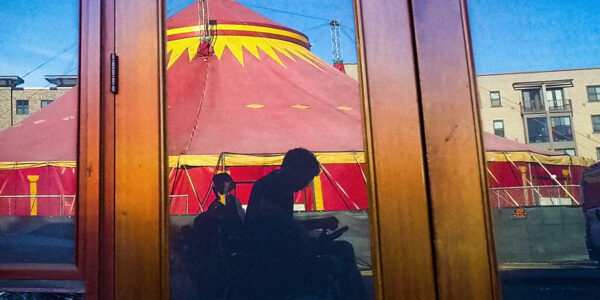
222	184
300	166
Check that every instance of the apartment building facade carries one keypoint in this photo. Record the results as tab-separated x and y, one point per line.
556	110
18	103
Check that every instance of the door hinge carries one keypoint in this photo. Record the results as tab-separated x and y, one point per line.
114	73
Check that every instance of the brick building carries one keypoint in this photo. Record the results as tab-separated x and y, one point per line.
557	110
17	103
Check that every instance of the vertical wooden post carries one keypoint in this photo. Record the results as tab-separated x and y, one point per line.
525	184
463	247
33	205
398	202
318	193
140	161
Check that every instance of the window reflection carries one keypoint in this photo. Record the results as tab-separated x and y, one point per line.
38	152
542	175
247	82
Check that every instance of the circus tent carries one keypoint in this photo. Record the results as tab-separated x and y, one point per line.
510	165
38	156
258	93
237	108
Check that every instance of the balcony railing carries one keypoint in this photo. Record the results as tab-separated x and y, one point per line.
559	105
553	106
533	107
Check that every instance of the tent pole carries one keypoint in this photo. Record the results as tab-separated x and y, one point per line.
193	188
361	170
529	182
507	194
328	175
171	173
554	178
72	204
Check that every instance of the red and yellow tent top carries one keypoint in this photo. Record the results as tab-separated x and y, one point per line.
46	138
499	149
261	92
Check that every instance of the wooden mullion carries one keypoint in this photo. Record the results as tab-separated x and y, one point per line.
465	265
398	204
140	178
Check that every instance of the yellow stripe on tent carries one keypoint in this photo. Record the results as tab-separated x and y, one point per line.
233	160
323	157
565	160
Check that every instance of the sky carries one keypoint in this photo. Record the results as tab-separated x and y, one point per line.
36	32
39	37
530	35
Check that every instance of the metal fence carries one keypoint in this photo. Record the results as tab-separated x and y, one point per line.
65	205
46	204
534	196
176	207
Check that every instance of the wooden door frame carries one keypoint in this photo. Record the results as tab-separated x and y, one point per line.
138	150
431	231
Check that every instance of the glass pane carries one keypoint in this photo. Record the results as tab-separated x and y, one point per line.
596	123
561	129
543	190
249	81
38	152
558	94
537	130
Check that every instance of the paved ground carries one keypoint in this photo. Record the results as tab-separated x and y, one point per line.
566	280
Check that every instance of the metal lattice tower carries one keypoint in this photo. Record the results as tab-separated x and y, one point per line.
336	42
203	20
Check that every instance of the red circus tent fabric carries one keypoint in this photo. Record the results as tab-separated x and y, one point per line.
260	94
510	164
41	150
257	93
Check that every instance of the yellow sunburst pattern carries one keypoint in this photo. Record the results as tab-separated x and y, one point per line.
270	46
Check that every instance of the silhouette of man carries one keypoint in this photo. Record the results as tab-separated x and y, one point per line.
287	261
272	197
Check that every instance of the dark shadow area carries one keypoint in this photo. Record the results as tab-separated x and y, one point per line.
42	290
561	283
266	253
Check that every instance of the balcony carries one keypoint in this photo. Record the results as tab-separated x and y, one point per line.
559	105
536	107
530	107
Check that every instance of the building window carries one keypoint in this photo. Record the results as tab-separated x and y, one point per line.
499	128
593	93
567	151
537	130
596	123
495	97
598	153
45	103
555	98
532	101
561	129
22	107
